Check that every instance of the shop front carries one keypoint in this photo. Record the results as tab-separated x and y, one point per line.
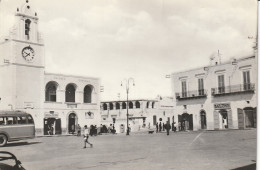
51	123
222	116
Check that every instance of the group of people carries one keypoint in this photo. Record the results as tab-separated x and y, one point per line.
183	125
162	127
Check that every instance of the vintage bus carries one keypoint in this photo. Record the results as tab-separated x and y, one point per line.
15	125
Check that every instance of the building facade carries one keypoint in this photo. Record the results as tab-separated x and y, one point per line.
219	96
143	114
57	100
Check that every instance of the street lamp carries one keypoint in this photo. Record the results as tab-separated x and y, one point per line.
127	81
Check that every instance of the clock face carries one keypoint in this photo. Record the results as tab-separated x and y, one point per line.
28	53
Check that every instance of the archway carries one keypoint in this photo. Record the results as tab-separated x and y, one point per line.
203	119
72	123
185	121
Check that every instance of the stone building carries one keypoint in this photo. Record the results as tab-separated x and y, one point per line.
219	96
143	113
57	100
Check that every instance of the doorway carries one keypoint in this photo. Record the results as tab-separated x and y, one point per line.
72	123
203	120
185	121
52	126
250	117
224	119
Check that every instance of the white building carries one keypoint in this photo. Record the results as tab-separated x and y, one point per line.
143	113
53	99
218	96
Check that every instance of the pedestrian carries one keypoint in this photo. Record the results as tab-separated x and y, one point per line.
179	125
157	127
86	136
163	125
167	127
51	130
129	129
113	129
183	126
160	126
78	130
73	129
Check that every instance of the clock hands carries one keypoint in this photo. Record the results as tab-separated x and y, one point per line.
26	53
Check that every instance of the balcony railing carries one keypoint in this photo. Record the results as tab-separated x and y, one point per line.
191	94
241	88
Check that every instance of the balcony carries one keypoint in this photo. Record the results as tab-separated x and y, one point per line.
191	94
227	90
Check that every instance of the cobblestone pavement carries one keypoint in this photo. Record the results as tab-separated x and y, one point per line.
214	150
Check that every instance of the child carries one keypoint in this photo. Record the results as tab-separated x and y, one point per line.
86	135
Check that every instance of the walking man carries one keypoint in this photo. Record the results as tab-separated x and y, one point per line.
157	127
86	136
167	127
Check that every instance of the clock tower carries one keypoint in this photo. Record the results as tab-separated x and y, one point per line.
22	64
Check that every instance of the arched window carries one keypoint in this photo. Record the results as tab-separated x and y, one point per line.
50	91
111	107
153	104
137	104
88	94
124	105
27	28
70	93
104	106
147	105
131	105
117	106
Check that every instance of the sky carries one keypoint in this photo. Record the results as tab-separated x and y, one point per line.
144	39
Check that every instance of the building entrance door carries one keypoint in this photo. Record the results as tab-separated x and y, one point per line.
203	120
249	117
186	121
224	119
72	123
52	126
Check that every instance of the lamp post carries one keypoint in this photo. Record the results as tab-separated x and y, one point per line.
127	81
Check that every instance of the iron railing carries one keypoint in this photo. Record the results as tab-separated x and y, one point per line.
248	87
191	94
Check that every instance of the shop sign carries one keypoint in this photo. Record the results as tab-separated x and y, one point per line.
222	106
51	115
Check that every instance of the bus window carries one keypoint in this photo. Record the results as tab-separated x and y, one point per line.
21	119
10	120
2	121
15	120
30	119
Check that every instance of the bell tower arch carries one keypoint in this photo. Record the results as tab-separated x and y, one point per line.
27	24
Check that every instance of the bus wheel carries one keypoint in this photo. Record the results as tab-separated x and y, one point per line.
3	140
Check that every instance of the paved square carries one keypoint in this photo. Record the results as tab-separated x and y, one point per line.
213	150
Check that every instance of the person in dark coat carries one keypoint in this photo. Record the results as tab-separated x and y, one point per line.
167	127
163	126
160	126
157	127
